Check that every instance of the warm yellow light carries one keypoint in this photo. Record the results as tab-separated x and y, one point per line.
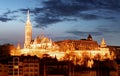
76	56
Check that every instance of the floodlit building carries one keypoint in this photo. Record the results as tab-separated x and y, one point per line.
40	42
30	66
15	66
43	45
79	52
3	69
23	66
82	44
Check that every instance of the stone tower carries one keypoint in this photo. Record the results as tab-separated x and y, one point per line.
28	32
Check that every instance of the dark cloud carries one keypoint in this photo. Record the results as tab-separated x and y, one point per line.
109	18
64	8
83	33
5	19
43	22
109	4
54	11
105	30
36	11
89	16
24	10
99	31
8	16
9	12
108	28
72	7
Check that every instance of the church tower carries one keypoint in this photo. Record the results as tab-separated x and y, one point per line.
28	32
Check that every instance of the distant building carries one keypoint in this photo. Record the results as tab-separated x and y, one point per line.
83	44
116	50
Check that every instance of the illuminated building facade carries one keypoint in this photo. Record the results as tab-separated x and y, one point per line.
30	66
80	52
39	42
23	66
83	44
43	45
15	67
42	42
3	69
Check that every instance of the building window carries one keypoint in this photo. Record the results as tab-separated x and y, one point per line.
16	59
27	70
16	70
10	66
31	70
31	74
36	75
26	75
20	66
31	65
36	65
5	70
16	73
36	70
26	65
16	63
11	73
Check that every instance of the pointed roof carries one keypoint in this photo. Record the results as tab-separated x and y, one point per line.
103	43
18	46
89	37
45	40
28	23
28	16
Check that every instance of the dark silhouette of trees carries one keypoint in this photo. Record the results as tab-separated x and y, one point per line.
5	49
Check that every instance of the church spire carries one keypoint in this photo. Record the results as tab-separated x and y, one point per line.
18	46
28	31
28	16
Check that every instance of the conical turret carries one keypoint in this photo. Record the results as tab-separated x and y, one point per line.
103	43
89	37
18	46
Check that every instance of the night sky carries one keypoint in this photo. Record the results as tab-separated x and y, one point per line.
61	19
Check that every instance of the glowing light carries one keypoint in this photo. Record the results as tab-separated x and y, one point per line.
43	45
16	67
77	56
